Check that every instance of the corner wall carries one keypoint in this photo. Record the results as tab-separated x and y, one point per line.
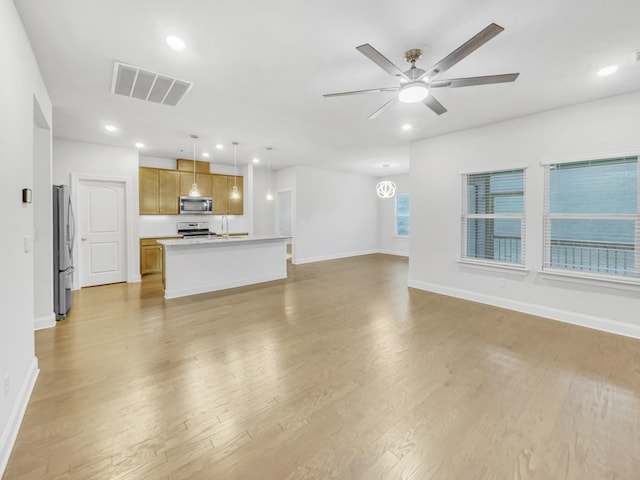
335	215
388	241
584	131
20	85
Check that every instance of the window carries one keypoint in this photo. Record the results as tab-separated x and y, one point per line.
493	220
592	226
402	215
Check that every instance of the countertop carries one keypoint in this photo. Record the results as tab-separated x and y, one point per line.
219	240
145	237
175	235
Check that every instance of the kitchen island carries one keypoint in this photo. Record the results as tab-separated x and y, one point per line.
199	265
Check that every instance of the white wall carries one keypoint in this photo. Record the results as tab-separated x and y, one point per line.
388	241
20	86
264	212
44	317
84	158
583	131
165	225
335	215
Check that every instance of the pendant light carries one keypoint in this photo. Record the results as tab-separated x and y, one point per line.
386	188
194	192
235	194
269	196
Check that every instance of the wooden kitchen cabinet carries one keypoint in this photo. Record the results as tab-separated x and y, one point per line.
220	195
235	206
185	165
159	191
152	255
148	182
223	204
204	180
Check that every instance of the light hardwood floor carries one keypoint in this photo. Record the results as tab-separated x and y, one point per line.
339	372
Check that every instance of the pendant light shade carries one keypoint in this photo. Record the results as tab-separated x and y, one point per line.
194	192
386	189
235	193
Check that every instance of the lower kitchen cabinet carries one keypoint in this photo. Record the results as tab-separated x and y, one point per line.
151	255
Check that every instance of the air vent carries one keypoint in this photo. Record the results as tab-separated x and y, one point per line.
143	84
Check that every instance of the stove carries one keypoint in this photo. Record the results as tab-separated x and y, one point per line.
194	229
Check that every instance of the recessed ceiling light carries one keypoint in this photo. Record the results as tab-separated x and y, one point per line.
407	126
606	71
256	160
176	42
139	145
205	154
111	128
219	146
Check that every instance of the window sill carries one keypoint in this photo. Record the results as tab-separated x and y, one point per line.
494	266
597	280
401	236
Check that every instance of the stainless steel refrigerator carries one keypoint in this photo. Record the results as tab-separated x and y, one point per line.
63	235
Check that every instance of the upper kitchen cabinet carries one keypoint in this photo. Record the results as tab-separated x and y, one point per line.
185	165
235	206
220	196
204	181
159	191
223	204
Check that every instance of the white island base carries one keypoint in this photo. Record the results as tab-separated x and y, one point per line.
200	265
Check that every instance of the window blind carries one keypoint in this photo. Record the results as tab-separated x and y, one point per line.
591	221
493	217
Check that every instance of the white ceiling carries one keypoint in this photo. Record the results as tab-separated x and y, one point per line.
260	68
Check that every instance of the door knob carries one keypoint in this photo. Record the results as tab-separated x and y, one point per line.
84	239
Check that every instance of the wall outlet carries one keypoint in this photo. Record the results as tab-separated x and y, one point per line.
7	385
501	282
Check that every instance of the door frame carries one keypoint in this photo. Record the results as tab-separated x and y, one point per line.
133	275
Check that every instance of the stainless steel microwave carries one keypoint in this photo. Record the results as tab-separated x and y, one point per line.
196	205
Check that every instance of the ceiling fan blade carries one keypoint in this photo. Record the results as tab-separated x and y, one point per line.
383	108
382	61
471	81
434	105
357	92
463	50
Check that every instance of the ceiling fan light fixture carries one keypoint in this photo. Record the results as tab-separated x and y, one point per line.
413	92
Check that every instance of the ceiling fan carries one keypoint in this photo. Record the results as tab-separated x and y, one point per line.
416	83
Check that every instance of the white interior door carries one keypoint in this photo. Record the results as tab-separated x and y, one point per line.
103	254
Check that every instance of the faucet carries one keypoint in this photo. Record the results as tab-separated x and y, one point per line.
224	217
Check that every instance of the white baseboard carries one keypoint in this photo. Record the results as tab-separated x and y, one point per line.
48	321
135	278
300	261
583	320
10	432
397	253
